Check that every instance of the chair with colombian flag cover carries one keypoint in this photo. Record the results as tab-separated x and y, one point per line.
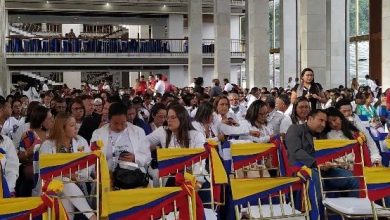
269	198
157	203
378	189
330	151
74	168
203	163
45	207
253	158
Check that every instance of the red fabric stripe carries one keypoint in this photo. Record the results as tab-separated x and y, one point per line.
270	152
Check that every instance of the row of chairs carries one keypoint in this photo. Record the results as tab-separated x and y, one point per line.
254	194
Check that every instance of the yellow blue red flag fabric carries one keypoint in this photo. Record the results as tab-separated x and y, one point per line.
55	164
147	202
378	182
244	154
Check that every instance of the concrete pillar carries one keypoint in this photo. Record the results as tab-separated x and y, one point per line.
5	76
176	31
222	39
257	46
44	27
288	41
195	39
144	31
385	45
158	29
312	32
72	79
336	40
133	76
178	76
77	29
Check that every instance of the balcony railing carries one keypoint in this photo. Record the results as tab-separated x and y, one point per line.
71	46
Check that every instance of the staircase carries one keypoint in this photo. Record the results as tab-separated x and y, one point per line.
40	78
16	31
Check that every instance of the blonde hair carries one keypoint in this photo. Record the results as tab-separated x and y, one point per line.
57	133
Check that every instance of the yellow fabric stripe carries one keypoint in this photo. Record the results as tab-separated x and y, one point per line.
388	142
172	153
242	188
241	149
119	200
331	143
375	175
219	172
15	205
51	160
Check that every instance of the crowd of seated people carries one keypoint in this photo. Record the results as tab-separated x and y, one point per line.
68	121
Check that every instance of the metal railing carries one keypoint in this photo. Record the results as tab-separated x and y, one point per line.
58	46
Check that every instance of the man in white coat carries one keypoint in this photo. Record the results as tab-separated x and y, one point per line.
119	136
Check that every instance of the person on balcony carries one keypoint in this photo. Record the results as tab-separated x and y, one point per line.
160	85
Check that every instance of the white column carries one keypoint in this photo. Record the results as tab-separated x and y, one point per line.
44	27
158	29
195	39
257	43
5	76
77	29
176	31
288	41
72	79
313	37
385	45
133	76
222	39
144	32
178	76
336	44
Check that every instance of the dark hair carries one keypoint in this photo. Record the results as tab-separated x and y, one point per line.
270	100
285	99
305	70
294	116
346	127
117	108
31	106
15	100
155	109
187	99
38	116
85	97
219	98
253	111
183	137
204	111
254	90
342	102
314	112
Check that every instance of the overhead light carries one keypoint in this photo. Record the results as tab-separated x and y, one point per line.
164	6
47	2
107	4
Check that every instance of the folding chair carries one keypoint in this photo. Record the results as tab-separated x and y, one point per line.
378	189
358	207
269	198
192	160
75	171
150	203
254	159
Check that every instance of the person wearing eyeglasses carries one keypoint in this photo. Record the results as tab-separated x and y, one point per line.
260	131
235	108
77	110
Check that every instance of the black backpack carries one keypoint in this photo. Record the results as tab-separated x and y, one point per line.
130	179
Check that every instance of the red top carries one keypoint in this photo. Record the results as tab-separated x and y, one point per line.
388	99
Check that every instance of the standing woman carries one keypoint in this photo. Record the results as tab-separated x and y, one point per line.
41	122
355	86
309	89
63	138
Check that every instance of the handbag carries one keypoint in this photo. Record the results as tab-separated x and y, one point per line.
129	179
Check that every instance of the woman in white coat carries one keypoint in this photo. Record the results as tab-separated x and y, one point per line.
63	138
9	162
119	135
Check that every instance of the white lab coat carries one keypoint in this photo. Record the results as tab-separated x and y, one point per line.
137	138
9	162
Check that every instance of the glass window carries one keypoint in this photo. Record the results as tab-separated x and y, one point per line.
274	27
359	44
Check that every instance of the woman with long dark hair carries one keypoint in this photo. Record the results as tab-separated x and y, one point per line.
309	89
256	121
300	112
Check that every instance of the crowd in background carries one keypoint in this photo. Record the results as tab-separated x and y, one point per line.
154	111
